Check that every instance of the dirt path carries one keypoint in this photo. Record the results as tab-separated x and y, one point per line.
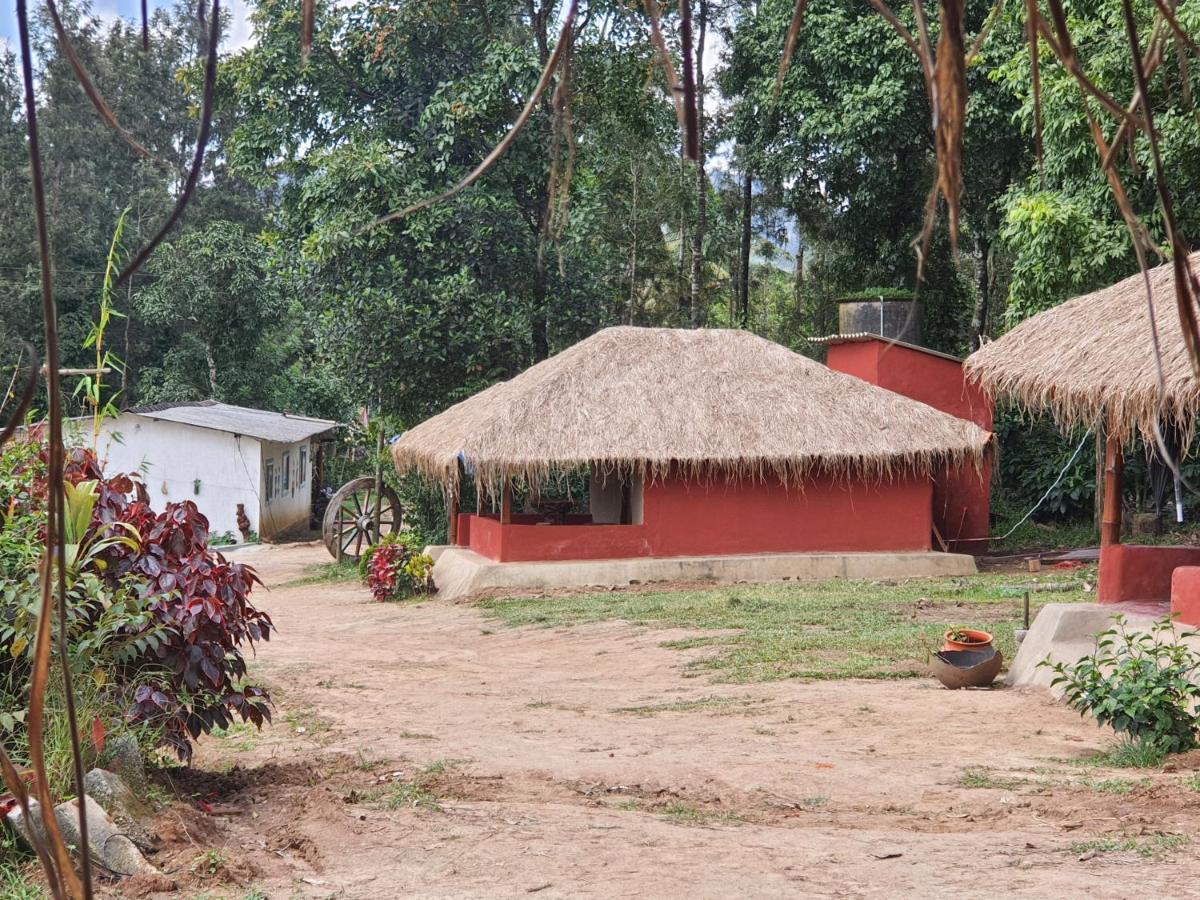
584	762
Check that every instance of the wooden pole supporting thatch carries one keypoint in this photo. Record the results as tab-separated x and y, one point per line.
1114	466
452	515
506	503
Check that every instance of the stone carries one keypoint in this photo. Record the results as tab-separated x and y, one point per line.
123	756
129	810
111	849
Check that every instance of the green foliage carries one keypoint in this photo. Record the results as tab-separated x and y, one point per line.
1138	683
396	567
1068	237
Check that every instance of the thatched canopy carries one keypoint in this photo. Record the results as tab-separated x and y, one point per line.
714	402
1091	360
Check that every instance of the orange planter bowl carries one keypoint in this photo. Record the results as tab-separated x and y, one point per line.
978	640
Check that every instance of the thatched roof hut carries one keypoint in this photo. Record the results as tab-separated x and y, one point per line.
1091	360
709	402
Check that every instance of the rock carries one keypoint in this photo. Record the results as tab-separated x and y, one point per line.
128	810
110	848
123	756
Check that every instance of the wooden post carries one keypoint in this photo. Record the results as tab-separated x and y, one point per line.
453	514
506	504
377	510
1098	504
1114	466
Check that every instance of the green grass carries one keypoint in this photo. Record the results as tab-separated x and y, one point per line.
240	736
686	814
829	629
326	573
1125	754
730	706
17	871
1044	536
1153	846
983	777
1118	786
417	793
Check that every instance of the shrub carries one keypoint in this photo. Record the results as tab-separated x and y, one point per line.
396	568
157	620
1139	684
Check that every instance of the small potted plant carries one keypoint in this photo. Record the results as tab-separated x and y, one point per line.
960	638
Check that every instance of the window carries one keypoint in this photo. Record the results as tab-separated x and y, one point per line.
287	471
269	478
302	472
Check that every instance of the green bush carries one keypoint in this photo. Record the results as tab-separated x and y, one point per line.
1138	683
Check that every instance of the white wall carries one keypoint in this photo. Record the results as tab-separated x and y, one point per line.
288	505
171	457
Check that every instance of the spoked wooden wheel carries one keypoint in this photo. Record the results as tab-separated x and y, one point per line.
350	517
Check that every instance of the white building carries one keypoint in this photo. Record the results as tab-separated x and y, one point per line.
221	457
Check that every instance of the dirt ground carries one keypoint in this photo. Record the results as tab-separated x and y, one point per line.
425	750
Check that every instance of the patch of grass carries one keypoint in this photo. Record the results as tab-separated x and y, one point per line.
410	795
687	814
538	704
1118	786
307	721
1192	783
240	736
983	777
729	706
1125	754
417	793
1043	536
815	802
209	864
325	573
1151	847
17	873
827	629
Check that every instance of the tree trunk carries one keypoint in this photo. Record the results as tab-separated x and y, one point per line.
633	251
696	292
983	283
212	369
744	267
798	276
539	17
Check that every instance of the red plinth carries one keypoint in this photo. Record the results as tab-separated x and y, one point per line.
1138	572
1185	594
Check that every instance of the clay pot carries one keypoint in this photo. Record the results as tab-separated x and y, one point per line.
957	669
979	640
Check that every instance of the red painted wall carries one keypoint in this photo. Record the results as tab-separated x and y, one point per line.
1185	594
961	496
689	518
1139	572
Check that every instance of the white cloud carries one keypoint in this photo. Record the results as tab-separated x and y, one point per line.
241	32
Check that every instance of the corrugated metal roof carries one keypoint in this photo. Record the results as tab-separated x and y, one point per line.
255	423
858	337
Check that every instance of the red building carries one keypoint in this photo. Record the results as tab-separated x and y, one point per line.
694	443
961	494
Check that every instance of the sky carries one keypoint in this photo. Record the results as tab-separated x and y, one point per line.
108	10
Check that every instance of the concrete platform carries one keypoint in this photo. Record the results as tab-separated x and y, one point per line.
459	572
1066	632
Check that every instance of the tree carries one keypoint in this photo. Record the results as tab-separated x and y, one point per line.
850	137
432	307
1064	230
216	300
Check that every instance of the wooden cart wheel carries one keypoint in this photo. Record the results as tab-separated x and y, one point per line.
354	528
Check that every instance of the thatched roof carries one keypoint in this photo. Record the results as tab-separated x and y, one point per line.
1091	361
712	401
